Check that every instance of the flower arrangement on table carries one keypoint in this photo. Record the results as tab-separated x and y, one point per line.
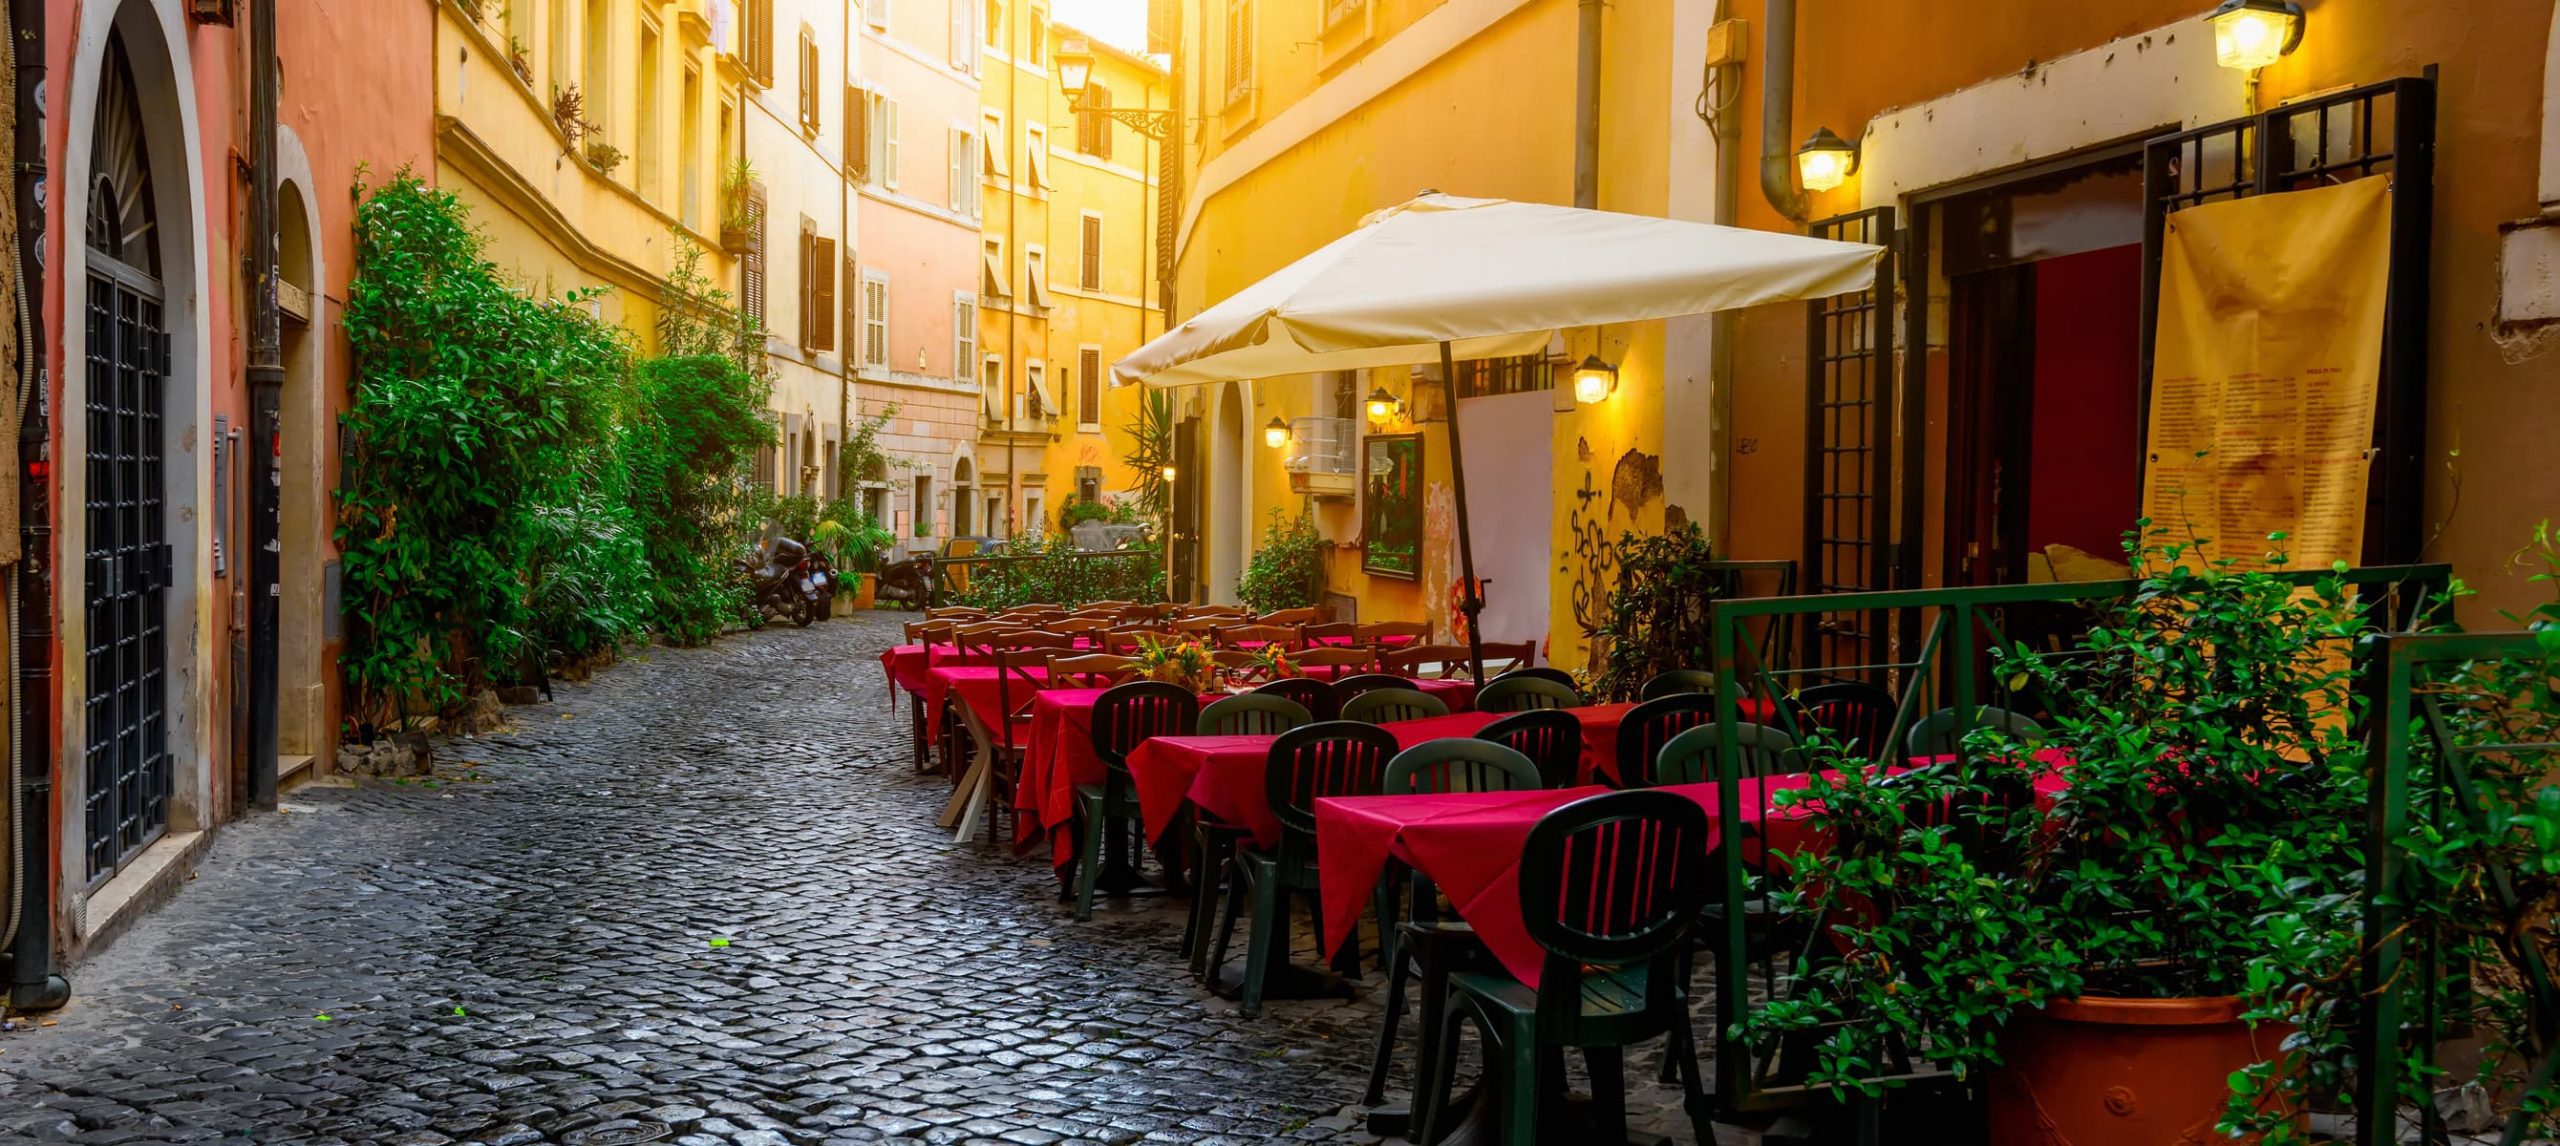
1180	662
1272	659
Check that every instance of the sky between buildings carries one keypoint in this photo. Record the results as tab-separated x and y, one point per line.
1121	23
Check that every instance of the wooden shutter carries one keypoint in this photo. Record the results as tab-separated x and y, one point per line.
1035	155
809	117
857	134
964	335
751	292
875	322
957	145
1089	386
1093	129
1035	272
849	307
820	269
1163	22
1089	273
759	40
889	143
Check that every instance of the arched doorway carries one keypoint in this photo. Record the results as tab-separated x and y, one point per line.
1230	496
134	279
308	554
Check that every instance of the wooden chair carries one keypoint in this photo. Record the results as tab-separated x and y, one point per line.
1353	657
1077	625
1609	888
1216	611
1649	726
1335	758
1091	670
1388	705
1550	739
1330	632
1317	696
1307	615
1123	718
930	634
1148	613
1203	627
1238	636
1416	660
955	613
1238	665
1124	640
1376	632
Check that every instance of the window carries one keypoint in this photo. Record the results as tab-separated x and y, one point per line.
1239	49
597	78
849	308
1089	254
768	461
809	119
1031	522
817	289
1036	403
1483	377
1346	394
877	13
963	191
992	281
1093	128
924	505
991	396
875	505
857	135
995	24
1089	388
751	263
564	61
964	35
1039	42
875	319
1035	153
884	135
1089	484
689	149
992	147
1035	275
646	154
758	36
964	333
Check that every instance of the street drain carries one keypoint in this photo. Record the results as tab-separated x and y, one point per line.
621	1132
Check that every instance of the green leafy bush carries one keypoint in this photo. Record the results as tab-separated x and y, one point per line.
1287	569
1055	572
1657	614
1076	512
693	431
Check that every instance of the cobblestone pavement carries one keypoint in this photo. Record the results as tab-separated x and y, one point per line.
698	900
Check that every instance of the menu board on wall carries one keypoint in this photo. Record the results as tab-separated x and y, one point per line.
2265	370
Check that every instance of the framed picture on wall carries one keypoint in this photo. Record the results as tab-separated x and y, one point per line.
1391	505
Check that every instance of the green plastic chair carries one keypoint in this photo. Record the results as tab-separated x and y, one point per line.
1548	737
1678	681
1650	725
1428	947
1609	887
1213	842
1512	693
1388	705
1123	718
1537	672
1936	733
1690	757
1253	714
1332	758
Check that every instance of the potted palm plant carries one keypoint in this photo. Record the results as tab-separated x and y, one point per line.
2077	926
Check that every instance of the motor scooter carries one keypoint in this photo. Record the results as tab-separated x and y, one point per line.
786	585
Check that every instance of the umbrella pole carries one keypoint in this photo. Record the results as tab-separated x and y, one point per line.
1470	602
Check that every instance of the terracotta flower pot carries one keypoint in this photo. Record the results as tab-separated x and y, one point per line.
2098	1071
868	593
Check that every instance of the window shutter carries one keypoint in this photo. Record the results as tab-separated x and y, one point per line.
964	33
808	81
991	142
1035	155
877	11
849	309
875	322
958	147
857	134
1239	49
822	294
991	388
964	335
889	142
1160	25
1093	128
1035	272
1089	274
751	292
1089	386
993	282
759	37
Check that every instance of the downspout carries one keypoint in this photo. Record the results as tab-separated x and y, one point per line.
851	290
1778	111
1586	105
1014	205
35	984
1721	106
266	398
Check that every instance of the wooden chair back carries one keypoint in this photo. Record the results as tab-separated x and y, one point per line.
1307	615
1091	670
1238	636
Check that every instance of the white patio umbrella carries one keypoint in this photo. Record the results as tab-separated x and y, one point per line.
1440	278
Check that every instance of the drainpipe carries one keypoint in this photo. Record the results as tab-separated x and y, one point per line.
852	277
1586	106
266	393
1778	111
35	983
1724	121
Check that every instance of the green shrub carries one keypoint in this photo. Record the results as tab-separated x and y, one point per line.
1287	569
1057	573
693	432
1657	614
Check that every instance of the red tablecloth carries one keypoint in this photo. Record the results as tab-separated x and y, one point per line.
905	666
1059	755
1470	845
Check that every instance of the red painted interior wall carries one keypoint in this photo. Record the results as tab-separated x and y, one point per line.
2084	483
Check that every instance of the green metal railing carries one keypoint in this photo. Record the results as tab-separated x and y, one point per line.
1948	668
2426	779
957	576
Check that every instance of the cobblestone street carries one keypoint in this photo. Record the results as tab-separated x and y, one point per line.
700	899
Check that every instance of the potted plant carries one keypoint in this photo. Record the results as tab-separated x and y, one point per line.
2077	926
1287	569
1657	615
853	543
603	156
737	207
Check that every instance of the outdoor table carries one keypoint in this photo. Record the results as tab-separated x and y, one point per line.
1060	756
1470	843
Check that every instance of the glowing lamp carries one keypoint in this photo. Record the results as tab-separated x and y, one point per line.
1825	160
1276	434
2251	34
1075	66
1168	473
1382	406
1594	381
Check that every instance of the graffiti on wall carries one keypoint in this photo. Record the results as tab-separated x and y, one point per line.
1599	516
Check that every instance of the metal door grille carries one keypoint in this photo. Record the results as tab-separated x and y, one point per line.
2383	129
127	570
1848	428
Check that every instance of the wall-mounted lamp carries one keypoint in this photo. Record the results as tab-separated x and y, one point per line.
1594	381
2251	34
1276	434
1168	473
1382	406
1825	160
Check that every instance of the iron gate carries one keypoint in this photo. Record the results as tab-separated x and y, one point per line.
1848	479
2385	129
127	568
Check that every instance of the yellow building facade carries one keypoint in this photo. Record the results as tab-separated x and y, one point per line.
1069	264
589	136
1308	118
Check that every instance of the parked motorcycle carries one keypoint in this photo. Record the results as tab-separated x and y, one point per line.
787	585
908	582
